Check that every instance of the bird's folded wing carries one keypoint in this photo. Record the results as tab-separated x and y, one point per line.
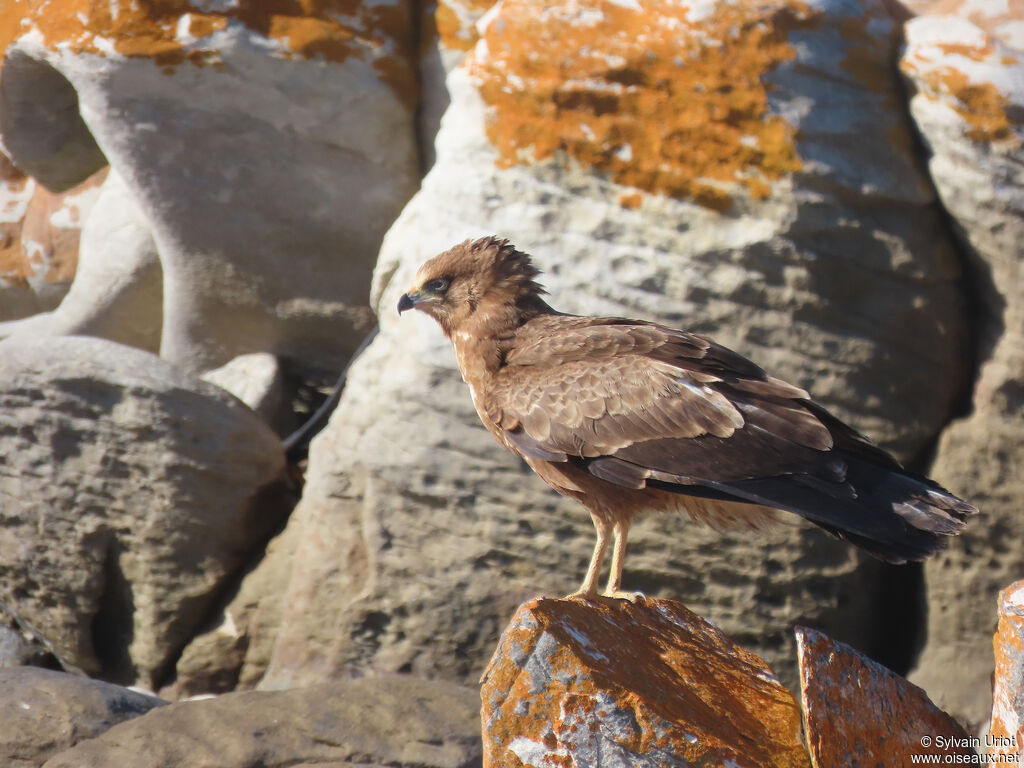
642	406
662	401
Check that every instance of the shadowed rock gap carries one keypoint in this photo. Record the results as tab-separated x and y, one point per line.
424	135
983	304
112	631
282	497
42	128
901	633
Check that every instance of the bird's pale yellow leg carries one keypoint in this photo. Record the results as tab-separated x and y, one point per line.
589	586
614	588
618	556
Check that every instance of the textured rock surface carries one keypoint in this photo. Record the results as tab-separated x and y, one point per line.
44	712
819	251
20	647
234	653
258	381
1003	19
269	148
1006	732
130	493
969	106
612	683
858	713
39	240
117	293
397	722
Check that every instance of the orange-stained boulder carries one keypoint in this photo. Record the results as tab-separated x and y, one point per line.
633	94
179	32
616	683
858	713
1006	734
39	235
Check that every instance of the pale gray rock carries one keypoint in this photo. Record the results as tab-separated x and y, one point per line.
268	178
43	713
968	102
392	721
131	494
258	381
117	293
417	535
234	653
19	648
1002	19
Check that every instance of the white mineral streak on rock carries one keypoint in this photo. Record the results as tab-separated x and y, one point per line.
14	199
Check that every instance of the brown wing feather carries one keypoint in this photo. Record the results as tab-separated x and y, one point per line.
591	387
594	408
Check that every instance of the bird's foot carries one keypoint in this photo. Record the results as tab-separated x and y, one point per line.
583	594
593	596
620	594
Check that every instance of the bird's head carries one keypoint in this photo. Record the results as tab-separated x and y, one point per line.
481	279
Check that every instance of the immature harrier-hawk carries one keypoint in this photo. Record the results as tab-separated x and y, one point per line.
627	416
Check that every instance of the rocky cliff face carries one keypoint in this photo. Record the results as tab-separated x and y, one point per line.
826	259
131	492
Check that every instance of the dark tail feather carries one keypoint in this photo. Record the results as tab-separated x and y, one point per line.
894	515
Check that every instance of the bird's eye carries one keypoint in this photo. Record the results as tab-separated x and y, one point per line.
439	285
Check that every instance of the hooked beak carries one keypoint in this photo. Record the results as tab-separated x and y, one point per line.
410	300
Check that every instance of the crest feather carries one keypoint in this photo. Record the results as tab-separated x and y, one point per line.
508	263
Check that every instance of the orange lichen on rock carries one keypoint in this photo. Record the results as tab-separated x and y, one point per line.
631	200
996	18
455	22
16	190
982	106
39	229
624	680
858	713
1006	735
657	99
129	28
169	30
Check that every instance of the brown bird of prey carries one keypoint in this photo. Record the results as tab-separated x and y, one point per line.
627	416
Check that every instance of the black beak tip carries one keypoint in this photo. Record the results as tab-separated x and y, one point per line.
405	303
